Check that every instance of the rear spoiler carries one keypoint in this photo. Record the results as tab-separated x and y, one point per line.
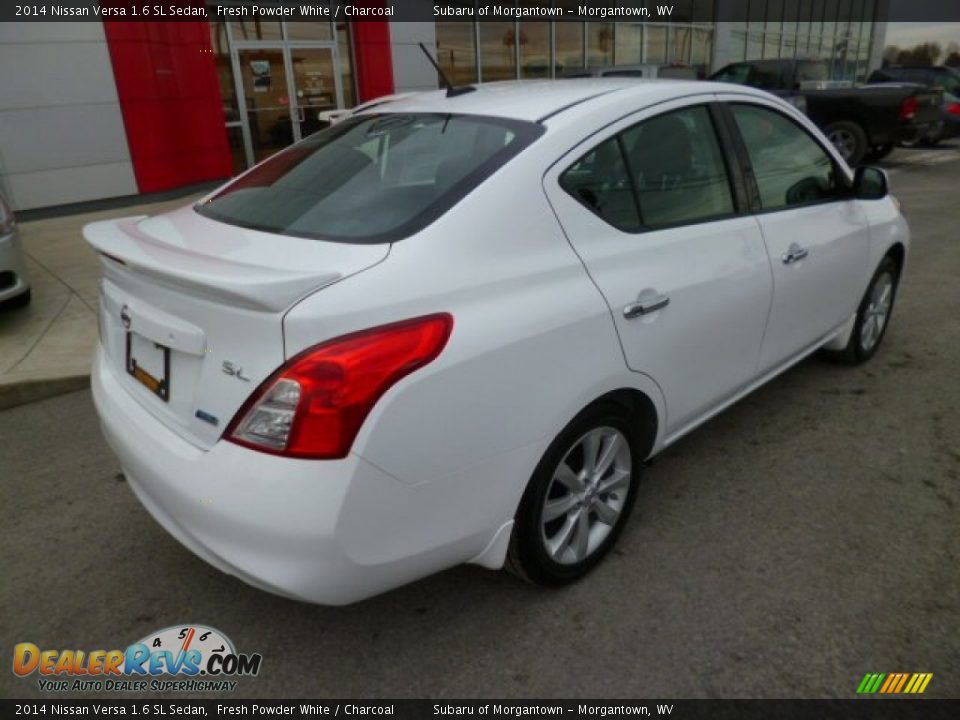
217	278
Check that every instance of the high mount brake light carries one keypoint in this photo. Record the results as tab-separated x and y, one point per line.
315	404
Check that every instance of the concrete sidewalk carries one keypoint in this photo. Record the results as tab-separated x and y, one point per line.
46	347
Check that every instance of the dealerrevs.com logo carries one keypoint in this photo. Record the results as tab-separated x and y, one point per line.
182	658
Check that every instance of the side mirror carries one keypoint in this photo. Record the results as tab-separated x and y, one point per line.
869	183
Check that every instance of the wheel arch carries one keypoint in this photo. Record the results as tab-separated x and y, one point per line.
642	410
898	253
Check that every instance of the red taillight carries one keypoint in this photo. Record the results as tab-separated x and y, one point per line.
314	405
953	108
908	109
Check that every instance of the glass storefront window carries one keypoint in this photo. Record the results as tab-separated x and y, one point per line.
680	44
629	49
788	46
599	44
498	59
656	44
771	46
738	46
309	31
535	50
256	30
754	46
701	51
457	52
568	41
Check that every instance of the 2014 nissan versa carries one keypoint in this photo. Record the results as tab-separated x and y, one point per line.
450	329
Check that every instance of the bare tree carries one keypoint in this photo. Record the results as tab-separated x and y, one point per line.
922	54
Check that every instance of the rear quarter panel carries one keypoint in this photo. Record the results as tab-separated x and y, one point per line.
533	343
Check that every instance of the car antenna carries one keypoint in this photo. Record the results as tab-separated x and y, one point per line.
452	91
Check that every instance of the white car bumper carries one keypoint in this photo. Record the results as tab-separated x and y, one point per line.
12	262
310	530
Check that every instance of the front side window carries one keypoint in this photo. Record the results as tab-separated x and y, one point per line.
790	167
374	178
678	169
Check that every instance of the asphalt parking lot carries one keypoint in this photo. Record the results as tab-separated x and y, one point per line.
803	538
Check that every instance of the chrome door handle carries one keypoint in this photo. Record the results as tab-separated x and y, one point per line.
645	306
794	254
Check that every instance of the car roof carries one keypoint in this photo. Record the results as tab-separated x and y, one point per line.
537	100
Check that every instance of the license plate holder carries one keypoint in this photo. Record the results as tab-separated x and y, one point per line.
147	369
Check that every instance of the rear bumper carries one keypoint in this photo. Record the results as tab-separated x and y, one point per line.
911	131
309	530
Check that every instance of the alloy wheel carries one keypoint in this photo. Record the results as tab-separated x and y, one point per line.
844	142
877	311
586	495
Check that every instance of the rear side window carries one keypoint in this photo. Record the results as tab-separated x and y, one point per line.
733	74
790	167
371	179
765	77
600	181
664	171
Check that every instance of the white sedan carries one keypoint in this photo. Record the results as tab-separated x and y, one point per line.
451	329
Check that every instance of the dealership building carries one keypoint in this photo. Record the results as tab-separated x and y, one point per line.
94	110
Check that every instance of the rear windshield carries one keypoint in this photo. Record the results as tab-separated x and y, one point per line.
373	178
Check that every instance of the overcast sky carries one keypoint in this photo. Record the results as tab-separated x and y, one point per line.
908	34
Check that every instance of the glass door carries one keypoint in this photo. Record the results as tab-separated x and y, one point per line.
283	89
265	100
314	76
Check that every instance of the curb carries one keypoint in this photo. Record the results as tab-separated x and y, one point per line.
28	391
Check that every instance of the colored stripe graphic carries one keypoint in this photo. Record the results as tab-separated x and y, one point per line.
894	683
870	683
903	679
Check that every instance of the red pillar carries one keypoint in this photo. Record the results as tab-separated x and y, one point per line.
170	101
374	64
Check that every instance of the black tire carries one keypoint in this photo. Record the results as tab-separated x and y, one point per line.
849	139
528	557
20	301
878	152
857	352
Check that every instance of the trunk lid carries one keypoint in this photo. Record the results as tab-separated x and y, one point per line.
191	309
